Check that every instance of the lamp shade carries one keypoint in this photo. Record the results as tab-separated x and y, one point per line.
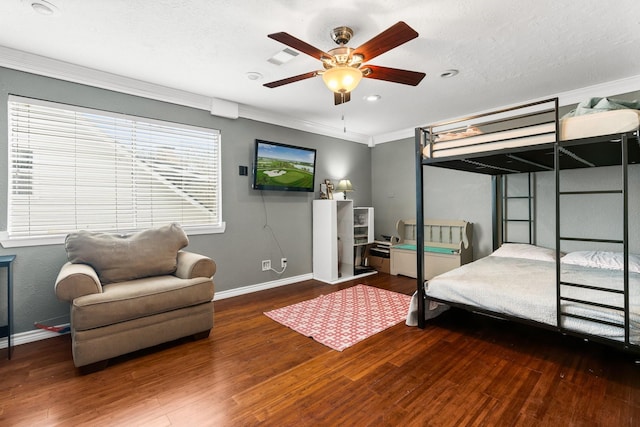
342	78
344	185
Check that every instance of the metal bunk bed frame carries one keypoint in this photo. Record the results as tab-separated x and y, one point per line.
488	163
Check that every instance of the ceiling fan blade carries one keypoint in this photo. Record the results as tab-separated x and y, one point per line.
291	79
298	44
395	75
341	97
390	38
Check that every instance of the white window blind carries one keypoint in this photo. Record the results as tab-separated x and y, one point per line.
72	168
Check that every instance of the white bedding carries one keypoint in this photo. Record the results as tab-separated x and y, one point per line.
531	135
604	123
526	289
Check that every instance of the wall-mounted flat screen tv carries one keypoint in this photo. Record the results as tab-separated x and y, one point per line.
283	167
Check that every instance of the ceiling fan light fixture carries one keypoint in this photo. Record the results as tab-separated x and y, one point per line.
355	60
344	66
328	61
342	78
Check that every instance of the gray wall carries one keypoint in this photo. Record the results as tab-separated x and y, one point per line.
588	216
448	194
258	223
394	189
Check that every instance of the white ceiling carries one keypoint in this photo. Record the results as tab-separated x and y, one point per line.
507	51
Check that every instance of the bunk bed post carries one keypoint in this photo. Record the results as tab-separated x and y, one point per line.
504	209
531	181
419	143
625	236
556	168
496	182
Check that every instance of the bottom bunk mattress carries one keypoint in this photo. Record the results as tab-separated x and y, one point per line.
526	289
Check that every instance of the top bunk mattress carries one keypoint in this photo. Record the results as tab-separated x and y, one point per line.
604	123
589	125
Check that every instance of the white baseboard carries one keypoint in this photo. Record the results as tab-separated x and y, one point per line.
30	336
261	286
346	279
41	334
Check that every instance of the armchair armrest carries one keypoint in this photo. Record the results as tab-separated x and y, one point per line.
76	280
192	265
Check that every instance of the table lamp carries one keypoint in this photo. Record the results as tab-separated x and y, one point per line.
345	186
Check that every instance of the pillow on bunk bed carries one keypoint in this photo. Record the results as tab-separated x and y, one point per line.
602	259
598	105
526	251
469	131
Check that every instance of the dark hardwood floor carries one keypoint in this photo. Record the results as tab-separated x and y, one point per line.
462	369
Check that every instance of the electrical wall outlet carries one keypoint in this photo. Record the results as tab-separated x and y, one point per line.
283	262
266	264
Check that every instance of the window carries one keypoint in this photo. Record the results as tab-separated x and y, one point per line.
72	168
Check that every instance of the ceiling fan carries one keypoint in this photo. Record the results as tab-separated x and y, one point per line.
344	66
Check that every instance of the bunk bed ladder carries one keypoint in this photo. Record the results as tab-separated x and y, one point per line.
506	211
624	242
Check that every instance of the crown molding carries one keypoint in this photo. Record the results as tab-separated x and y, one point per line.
612	88
48	67
303	125
41	65
393	136
36	64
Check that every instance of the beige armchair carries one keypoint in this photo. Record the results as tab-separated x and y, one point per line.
132	292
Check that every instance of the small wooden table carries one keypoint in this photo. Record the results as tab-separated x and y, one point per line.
6	261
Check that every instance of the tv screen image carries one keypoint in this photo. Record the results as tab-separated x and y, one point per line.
283	167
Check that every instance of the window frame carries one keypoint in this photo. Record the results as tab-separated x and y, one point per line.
8	240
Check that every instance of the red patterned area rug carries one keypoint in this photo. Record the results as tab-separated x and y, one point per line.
343	318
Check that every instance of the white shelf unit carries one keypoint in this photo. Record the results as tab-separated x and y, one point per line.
334	239
362	226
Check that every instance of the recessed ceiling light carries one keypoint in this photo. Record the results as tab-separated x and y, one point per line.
42	7
254	75
371	98
449	73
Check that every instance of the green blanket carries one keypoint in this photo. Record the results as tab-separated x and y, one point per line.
597	105
428	249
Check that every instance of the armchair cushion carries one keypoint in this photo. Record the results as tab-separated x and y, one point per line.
118	258
124	301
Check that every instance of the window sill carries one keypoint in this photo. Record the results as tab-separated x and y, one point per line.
58	239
